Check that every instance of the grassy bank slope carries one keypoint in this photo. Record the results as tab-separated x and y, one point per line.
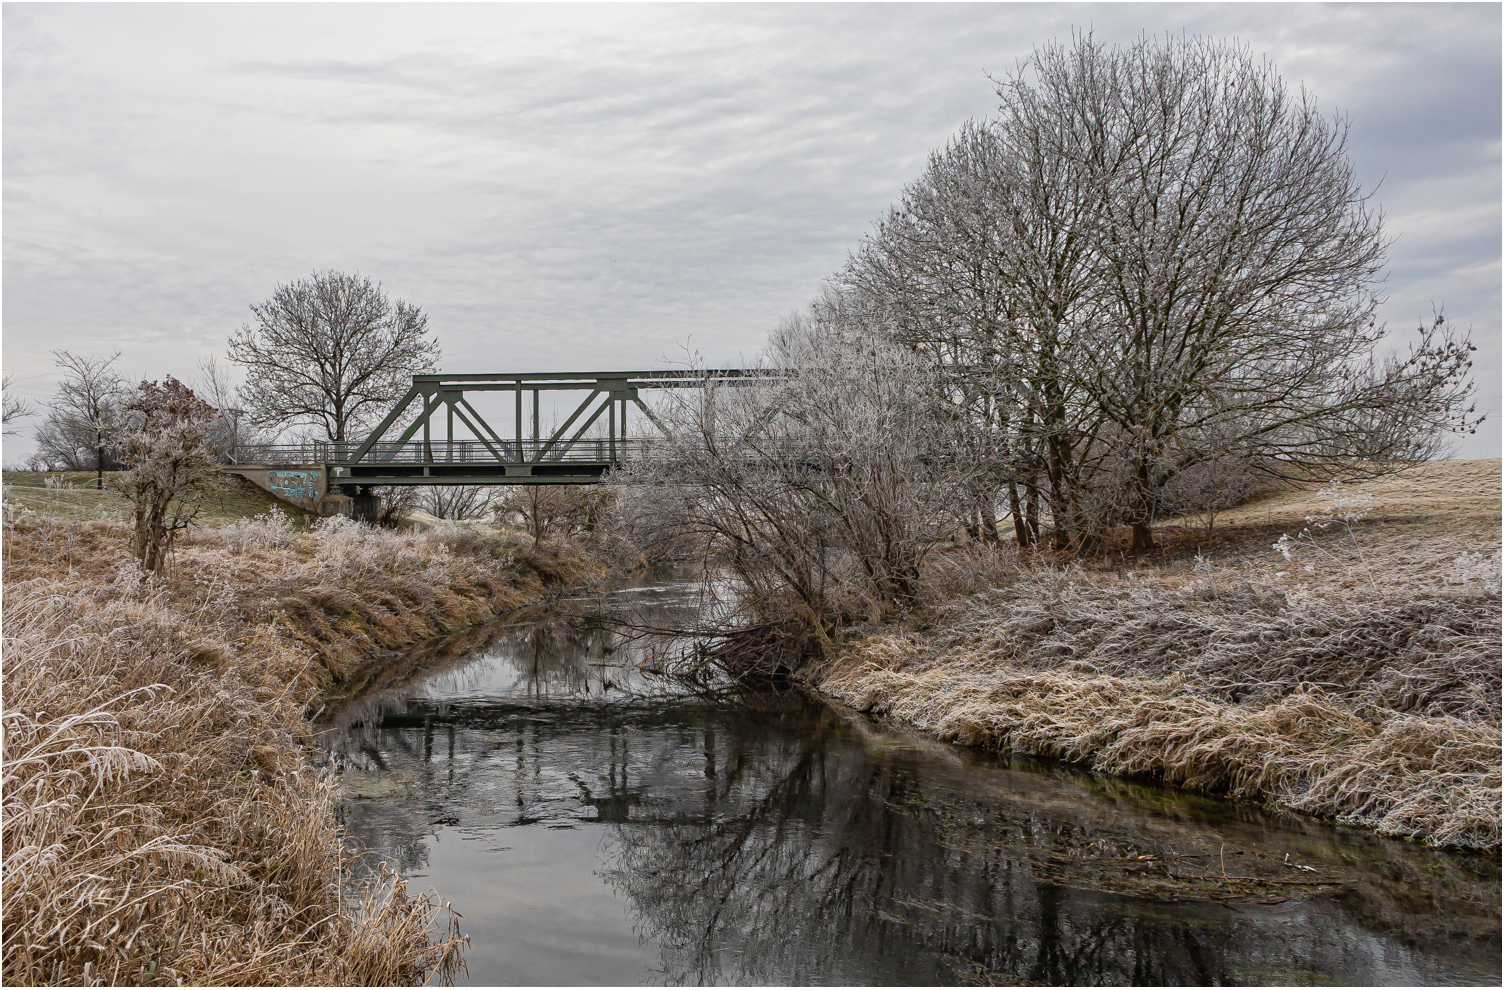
164	822
72	495
1357	680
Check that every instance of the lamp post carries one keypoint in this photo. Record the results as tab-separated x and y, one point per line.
234	434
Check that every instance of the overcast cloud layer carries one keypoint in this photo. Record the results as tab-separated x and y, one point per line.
586	188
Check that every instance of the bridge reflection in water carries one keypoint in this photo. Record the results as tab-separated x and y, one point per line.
594	831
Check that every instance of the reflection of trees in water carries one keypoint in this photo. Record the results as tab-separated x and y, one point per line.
822	863
770	841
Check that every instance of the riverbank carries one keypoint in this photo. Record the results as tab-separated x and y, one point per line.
164	819
1352	672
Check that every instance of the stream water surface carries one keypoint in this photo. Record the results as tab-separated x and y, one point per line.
598	825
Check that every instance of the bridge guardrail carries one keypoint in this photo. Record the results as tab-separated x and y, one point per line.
454	452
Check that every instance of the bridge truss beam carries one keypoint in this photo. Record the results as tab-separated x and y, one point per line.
565	456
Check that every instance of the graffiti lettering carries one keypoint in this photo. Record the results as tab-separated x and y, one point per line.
294	484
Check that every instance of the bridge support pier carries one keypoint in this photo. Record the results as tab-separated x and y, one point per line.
364	505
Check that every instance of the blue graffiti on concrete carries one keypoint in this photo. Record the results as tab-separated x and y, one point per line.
294	484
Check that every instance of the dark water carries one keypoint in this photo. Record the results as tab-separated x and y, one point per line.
595	826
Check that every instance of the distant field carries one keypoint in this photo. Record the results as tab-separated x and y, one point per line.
72	495
1454	493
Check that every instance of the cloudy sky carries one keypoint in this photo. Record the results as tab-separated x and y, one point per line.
590	187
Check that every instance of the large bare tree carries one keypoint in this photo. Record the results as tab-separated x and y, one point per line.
1237	259
1156	257
330	351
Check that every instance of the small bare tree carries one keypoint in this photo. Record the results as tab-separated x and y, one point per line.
83	413
330	351
233	436
164	437
456	501
553	510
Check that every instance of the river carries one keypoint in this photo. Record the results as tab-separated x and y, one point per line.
598	825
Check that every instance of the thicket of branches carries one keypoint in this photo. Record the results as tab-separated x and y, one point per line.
821	486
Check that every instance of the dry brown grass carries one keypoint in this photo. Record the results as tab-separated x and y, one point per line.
1360	680
164	821
1450	495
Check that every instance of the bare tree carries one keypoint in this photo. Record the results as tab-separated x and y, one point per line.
14	407
553	510
981	267
1156	257
820	486
1236	258
330	351
456	501
163	435
82	414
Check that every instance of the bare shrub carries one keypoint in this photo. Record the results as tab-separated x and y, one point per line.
964	571
393	502
456	501
1206	489
553	511
163	436
270	530
820	486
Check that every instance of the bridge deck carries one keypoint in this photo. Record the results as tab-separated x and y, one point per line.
461	462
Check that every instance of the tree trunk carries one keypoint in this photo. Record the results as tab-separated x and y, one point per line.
1021	527
1032	512
989	524
1144	509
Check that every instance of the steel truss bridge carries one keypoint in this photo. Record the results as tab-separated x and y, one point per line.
418	442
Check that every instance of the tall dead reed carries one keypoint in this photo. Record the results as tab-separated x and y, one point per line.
164	820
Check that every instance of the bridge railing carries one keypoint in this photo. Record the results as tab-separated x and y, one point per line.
278	453
455	452
460	452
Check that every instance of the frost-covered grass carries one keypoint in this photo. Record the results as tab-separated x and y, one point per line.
1346	669
164	820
